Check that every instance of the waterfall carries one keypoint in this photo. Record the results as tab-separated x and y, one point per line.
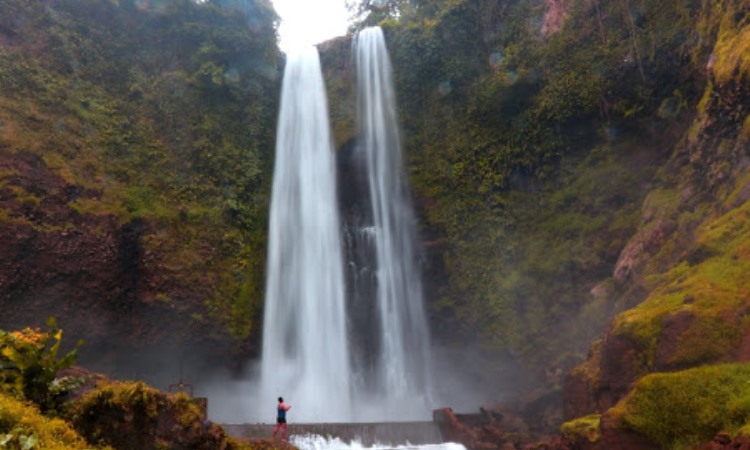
397	363
305	351
366	358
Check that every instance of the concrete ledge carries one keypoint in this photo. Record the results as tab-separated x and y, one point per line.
386	433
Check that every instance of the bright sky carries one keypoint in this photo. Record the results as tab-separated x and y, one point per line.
308	22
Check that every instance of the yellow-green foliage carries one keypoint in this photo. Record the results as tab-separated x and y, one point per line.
745	132
732	50
29	363
103	413
22	426
239	301
742	181
121	397
583	429
710	283
684	409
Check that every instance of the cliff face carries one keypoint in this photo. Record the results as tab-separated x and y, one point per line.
582	173
135	154
695	311
92	271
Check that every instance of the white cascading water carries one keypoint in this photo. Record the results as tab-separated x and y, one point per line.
380	369
314	442
402	367
305	350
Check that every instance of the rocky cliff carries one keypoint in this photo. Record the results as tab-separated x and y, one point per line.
582	174
135	155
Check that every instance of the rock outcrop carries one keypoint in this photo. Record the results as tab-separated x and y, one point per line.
129	415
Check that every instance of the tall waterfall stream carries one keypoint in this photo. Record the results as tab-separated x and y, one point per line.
305	345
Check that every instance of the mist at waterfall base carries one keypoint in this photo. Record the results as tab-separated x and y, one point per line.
463	380
345	332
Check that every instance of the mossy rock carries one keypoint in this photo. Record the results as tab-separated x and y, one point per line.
709	285
129	415
682	410
583	429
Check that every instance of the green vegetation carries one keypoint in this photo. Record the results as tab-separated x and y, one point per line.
29	363
29	387
730	61
539	148
39	410
159	114
583	429
129	415
709	285
682	410
23	427
531	154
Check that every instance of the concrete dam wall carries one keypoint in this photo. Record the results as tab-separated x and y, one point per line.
386	433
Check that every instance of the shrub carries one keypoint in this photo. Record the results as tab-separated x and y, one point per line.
128	415
23	427
29	364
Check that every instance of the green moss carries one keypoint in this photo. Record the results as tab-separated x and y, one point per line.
682	410
732	46
729	233
238	302
583	429
58	164
661	203
590	369
706	339
145	202
23	196
642	324
4	215
709	284
96	207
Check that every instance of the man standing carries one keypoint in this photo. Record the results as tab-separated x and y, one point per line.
281	419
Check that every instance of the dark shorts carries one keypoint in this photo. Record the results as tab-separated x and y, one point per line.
279	420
